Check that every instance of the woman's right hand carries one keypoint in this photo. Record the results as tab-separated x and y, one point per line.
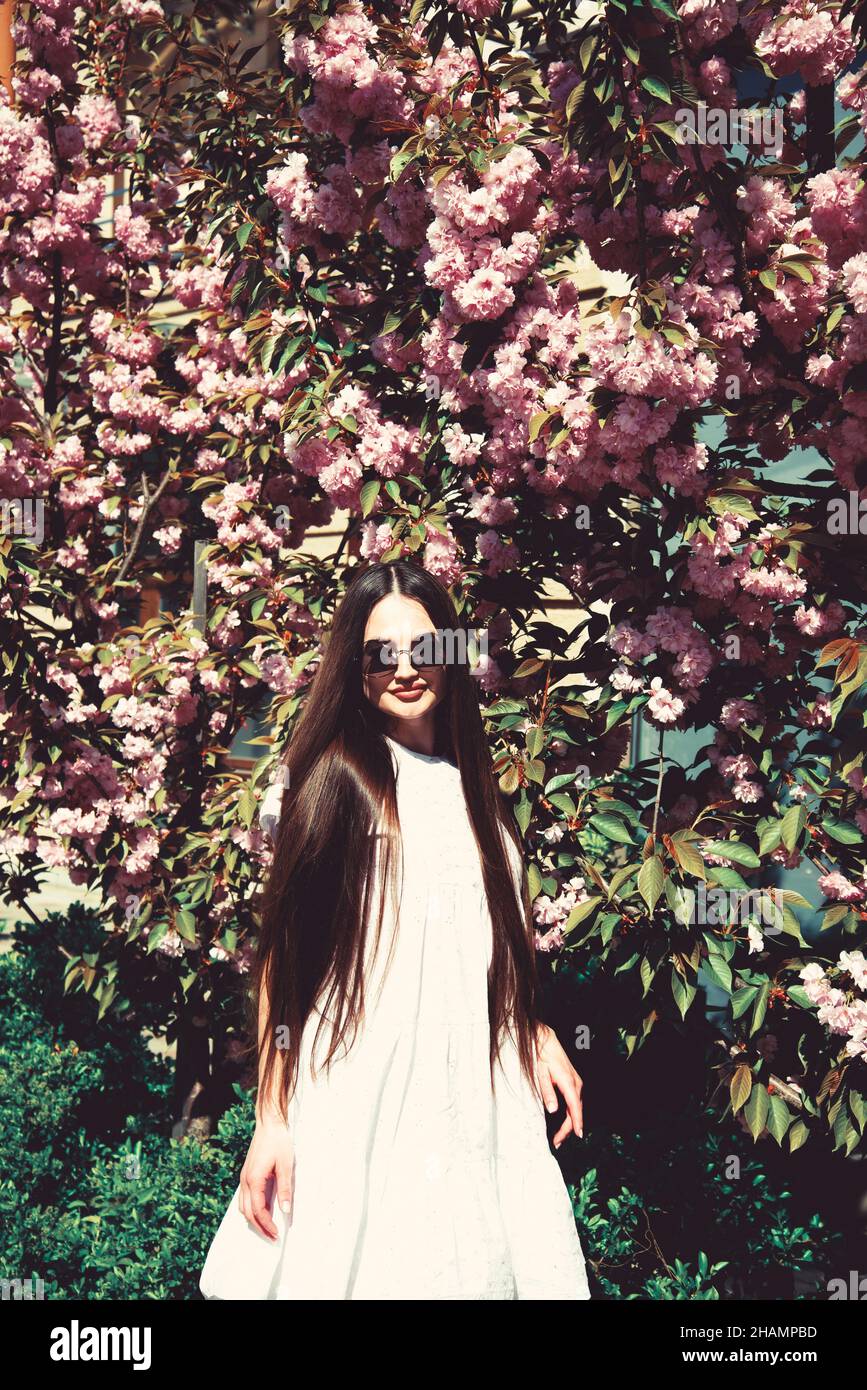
271	1154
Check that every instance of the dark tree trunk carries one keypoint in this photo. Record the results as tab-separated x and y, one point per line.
192	1096
820	128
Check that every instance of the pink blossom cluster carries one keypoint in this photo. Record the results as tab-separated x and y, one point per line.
803	37
671	631
553	913
841	1010
349	86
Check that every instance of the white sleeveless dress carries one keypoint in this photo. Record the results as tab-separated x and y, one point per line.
414	1178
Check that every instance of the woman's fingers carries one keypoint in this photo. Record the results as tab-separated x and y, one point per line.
572	1097
259	1215
570	1085
546	1085
579	1109
563	1132
285	1183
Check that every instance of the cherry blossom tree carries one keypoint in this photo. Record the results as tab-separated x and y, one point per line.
246	291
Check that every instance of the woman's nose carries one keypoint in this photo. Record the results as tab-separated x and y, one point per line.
404	666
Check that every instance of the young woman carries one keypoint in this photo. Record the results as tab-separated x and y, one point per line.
400	1149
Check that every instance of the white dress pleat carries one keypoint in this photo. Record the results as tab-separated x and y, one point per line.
414	1178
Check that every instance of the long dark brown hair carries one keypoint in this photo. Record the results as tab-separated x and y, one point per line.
339	791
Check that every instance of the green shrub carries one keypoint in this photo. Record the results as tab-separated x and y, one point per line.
661	1218
136	1231
100	1203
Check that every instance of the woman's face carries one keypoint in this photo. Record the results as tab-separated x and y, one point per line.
401	692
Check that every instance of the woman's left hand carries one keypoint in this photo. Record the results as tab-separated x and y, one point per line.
555	1070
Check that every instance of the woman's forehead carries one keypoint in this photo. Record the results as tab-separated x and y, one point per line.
383	634
397	616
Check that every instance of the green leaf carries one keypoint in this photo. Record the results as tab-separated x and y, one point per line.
742	999
535	740
612	828
770	835
756	1109
563	779
185	922
671	129
799	995
719	971
399	161
722	877
509	780
843	831
734	850
369	494
792	826
740	1086
534	770
760	1008
683	992
688	857
798	266
620	877
651	878
504	707
779	1118
537	422
247	806
534	880
523	812
798	1135
581	912
657	88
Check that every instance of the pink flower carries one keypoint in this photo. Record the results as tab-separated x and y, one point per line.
734	713
98	118
663	706
748	792
477	9
375	540
499	555
139	238
807	38
835	886
854	276
442	556
551	940
708	20
854	963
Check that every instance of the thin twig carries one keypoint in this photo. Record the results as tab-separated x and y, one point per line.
150	501
658	783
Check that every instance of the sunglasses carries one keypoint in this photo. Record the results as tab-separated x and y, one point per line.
427	651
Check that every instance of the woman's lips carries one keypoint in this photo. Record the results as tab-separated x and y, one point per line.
409	695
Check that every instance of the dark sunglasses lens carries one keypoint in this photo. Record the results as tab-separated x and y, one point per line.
379	657
427	651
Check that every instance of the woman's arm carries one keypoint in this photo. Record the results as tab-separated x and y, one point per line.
271	1153
555	1071
267	1100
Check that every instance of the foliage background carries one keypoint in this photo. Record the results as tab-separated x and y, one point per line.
99	1203
241	298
